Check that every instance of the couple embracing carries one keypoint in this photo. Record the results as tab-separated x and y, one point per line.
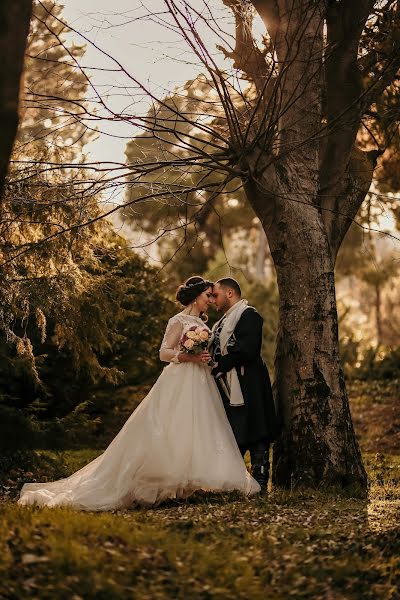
193	428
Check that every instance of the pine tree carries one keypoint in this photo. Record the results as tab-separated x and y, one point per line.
54	88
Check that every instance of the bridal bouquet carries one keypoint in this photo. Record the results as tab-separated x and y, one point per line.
195	340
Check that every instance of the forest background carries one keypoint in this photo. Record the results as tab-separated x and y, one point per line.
88	278
83	313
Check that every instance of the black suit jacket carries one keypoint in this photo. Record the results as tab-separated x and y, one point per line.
255	420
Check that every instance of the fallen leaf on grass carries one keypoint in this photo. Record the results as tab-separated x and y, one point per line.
30	559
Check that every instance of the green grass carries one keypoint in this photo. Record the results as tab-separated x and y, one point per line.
286	545
300	545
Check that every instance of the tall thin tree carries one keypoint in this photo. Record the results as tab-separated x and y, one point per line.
14	27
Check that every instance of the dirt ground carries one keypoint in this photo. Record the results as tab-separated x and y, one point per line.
375	408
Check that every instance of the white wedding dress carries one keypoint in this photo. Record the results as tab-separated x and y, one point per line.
177	441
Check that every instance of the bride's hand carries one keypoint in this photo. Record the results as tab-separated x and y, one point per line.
205	357
202	358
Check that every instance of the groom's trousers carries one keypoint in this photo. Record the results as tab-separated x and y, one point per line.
259	456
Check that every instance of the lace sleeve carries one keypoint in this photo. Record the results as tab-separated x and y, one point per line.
169	348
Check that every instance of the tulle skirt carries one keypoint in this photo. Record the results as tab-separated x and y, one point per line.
176	442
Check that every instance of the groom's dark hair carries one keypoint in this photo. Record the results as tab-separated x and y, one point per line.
228	282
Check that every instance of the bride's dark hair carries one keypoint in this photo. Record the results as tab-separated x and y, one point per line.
191	289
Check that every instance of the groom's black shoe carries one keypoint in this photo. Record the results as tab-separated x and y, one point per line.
260	461
260	474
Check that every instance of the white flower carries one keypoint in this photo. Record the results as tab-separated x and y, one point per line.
189	344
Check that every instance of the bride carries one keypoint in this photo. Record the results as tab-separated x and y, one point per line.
177	441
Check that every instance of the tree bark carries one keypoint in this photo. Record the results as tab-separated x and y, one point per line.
14	26
317	446
378	317
261	253
305	227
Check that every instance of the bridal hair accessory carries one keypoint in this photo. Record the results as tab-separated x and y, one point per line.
204	283
187	293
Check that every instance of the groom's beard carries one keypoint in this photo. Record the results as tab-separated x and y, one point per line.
224	308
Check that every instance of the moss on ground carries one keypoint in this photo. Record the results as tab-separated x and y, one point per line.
300	545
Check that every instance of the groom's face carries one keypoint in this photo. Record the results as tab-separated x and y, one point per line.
221	299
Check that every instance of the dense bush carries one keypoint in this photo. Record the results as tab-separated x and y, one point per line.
108	334
378	365
79	312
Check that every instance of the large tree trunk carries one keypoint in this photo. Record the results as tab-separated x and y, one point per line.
318	445
14	26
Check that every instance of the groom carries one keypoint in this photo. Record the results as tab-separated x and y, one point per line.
242	376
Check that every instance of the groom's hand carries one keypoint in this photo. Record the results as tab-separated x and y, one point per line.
216	371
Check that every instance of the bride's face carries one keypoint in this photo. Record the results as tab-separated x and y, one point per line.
204	300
